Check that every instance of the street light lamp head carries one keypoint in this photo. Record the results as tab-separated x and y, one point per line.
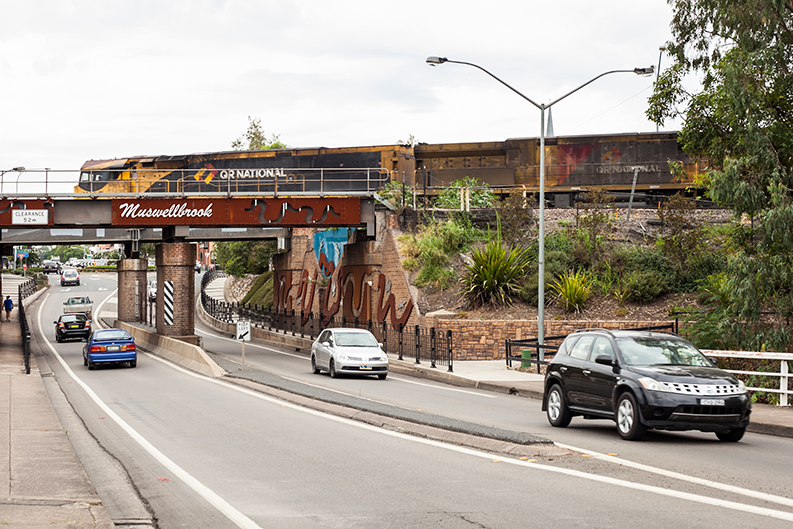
18	169
435	61
644	71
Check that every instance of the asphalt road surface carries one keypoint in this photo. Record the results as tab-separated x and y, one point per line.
169	448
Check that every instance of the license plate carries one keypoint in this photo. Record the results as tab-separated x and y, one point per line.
712	402
113	348
366	368
74	326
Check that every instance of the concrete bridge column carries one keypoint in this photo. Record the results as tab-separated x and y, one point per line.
131	290
176	266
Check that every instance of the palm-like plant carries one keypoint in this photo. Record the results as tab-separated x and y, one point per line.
573	289
494	273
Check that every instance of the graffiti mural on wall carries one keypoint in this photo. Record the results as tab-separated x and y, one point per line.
347	287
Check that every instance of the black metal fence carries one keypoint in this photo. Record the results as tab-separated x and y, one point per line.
531	352
422	344
25	289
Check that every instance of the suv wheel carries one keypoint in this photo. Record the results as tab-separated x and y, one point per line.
629	424
733	436
558	413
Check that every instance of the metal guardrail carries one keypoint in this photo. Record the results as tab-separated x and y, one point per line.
784	371
180	183
419	343
24	290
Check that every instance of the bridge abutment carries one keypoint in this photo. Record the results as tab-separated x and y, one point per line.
132	289
176	295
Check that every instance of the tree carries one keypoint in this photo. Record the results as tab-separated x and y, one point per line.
238	258
739	122
254	139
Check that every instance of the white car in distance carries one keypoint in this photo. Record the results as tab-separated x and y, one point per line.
348	352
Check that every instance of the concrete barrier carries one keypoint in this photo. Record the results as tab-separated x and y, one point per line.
300	344
187	355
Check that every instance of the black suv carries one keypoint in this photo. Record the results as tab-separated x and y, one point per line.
642	380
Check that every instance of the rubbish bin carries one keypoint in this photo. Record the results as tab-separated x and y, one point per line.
526	354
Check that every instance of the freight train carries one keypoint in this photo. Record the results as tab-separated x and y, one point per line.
573	165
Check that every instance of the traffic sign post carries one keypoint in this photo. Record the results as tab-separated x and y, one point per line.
244	335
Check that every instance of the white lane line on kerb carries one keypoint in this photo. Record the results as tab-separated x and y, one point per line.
205	492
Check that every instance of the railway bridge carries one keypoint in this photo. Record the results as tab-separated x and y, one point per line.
174	224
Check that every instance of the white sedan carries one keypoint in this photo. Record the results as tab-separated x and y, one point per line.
348	351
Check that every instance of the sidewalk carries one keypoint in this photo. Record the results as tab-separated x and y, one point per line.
42	481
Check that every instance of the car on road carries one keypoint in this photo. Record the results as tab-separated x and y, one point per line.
643	380
348	351
152	291
110	346
70	276
72	326
78	304
51	267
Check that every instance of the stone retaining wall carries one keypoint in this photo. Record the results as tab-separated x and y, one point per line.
485	339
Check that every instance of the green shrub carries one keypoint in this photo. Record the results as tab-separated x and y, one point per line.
572	290
261	291
400	196
434	275
492	277
557	262
646	286
481	196
429	250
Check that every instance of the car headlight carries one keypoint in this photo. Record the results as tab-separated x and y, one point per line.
741	387
342	356
653	385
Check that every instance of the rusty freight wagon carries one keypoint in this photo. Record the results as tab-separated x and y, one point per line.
573	164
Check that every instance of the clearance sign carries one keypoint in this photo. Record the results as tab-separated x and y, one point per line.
225	212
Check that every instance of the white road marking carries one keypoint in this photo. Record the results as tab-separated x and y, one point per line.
445	388
251	344
683	477
219	503
696	498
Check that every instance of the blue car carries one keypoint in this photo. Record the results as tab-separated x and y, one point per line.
110	346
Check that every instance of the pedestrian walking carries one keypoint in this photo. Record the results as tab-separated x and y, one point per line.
8	304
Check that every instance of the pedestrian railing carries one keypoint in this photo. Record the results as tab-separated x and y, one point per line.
25	289
783	389
529	351
420	343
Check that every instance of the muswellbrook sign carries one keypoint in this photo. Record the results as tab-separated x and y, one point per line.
222	212
276	212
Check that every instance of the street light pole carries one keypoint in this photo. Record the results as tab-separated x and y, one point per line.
435	61
19	169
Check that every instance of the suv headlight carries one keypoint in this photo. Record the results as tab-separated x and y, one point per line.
653	385
741	387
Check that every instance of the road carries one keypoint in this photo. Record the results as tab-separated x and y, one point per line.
166	447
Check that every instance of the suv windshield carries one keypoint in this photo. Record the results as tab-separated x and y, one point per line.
653	350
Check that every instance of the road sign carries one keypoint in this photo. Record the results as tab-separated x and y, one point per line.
22	255
30	216
244	331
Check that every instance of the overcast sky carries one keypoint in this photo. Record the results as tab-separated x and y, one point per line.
93	79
